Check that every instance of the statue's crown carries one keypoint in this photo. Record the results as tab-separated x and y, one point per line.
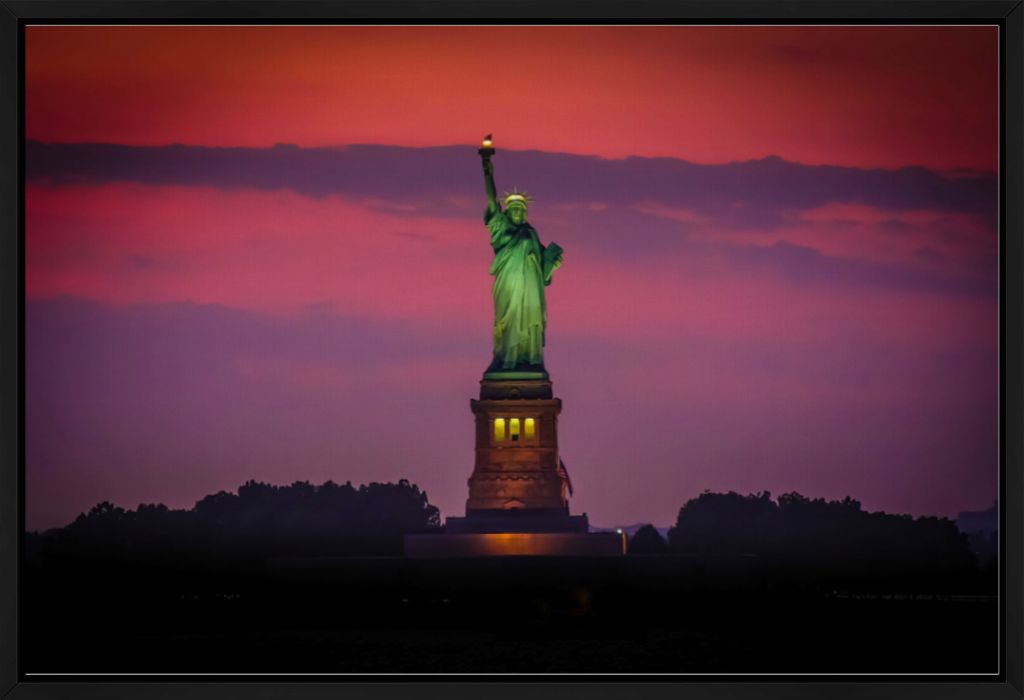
517	197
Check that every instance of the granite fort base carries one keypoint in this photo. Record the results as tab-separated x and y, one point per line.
593	544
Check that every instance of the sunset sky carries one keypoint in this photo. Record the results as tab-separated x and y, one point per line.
258	252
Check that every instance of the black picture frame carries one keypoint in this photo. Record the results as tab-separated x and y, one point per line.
1008	14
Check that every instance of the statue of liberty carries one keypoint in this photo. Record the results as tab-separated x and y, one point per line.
522	267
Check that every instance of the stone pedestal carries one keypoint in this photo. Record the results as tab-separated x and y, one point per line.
517	465
519	490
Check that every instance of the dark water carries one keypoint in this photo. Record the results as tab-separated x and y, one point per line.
511	615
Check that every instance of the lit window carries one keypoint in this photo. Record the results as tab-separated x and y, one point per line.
528	429
499	429
513	429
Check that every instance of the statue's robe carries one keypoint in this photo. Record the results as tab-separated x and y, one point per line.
520	273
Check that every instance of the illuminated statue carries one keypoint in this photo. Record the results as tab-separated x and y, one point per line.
519	490
522	267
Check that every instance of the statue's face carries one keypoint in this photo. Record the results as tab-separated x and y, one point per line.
516	213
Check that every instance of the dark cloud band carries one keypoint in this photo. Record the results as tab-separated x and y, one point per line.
733	192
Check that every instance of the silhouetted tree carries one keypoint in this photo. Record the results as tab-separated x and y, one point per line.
717	523
828	540
647	540
259	521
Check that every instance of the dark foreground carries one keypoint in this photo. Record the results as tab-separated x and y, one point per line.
656	614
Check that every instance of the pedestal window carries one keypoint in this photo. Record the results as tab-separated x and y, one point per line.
515	430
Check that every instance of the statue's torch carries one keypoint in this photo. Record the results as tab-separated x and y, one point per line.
486	149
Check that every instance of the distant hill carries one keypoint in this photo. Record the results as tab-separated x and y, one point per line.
982	530
629	529
979	521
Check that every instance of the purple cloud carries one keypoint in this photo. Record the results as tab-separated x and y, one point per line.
756	192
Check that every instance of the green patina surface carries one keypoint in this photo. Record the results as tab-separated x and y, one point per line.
522	268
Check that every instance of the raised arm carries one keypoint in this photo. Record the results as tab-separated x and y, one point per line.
492	192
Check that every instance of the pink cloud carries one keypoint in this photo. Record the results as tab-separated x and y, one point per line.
271	251
860	95
281	252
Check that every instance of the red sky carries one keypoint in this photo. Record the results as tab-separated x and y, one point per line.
862	96
727	326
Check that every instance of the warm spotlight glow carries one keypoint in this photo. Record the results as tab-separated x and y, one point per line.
529	429
513	428
499	429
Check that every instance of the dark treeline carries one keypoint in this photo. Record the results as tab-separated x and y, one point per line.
835	539
311	578
260	521
307	520
263	521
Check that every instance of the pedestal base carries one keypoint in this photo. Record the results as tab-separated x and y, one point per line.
504	544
